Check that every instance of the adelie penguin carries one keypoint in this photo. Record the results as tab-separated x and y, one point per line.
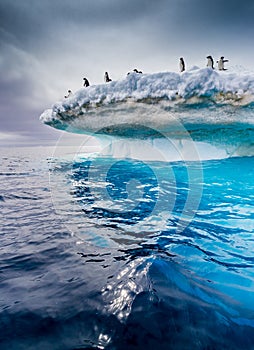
221	63
135	71
86	82
181	65
210	62
106	78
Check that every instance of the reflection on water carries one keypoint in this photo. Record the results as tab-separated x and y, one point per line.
126	278
216	244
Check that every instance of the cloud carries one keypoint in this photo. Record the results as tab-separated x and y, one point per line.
23	96
48	46
41	20
39	25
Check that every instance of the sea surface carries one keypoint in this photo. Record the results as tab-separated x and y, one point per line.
103	253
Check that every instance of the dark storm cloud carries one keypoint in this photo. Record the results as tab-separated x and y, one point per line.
47	45
222	13
33	22
22	97
215	16
30	20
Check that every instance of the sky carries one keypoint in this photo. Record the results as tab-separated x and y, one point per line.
47	47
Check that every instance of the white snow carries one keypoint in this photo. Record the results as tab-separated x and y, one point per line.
236	85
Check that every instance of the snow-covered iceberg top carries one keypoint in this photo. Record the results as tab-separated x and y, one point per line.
235	86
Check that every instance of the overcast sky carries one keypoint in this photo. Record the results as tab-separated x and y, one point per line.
48	46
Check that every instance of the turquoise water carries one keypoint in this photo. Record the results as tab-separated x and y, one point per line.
110	253
216	244
192	265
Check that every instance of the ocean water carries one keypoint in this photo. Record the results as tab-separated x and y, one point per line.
107	253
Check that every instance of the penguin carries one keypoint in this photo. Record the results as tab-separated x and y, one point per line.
69	94
137	71
86	82
106	78
221	63
210	62
182	65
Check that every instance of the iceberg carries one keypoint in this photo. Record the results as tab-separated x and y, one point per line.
206	105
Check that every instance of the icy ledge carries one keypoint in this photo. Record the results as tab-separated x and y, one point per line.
234	87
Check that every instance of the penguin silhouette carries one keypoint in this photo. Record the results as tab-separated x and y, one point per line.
221	63
210	62
86	82
182	65
106	78
137	71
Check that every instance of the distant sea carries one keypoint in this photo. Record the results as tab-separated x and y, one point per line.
106	254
